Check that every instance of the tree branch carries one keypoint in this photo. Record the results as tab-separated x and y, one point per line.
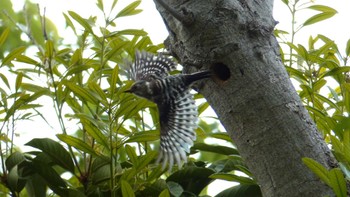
184	16
257	104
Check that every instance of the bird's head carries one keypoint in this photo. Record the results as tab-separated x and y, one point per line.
140	88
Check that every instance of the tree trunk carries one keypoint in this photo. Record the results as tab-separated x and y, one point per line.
256	102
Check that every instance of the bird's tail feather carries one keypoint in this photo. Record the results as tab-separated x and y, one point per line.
200	75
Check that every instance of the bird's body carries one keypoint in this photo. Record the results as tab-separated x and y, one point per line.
177	110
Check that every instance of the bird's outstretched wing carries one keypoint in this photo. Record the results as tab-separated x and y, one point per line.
147	66
178	120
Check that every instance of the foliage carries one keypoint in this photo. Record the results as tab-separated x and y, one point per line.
110	152
333	178
321	72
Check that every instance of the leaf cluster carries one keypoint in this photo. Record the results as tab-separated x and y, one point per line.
110	151
320	73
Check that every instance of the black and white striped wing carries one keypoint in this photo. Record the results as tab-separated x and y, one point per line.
147	66
178	121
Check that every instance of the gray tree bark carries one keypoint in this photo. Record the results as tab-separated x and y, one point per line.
257	103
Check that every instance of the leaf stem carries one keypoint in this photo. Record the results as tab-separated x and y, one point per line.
58	109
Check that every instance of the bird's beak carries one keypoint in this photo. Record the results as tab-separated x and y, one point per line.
127	91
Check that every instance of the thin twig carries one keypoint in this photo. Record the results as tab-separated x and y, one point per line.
43	22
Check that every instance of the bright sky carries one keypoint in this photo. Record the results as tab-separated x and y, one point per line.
335	28
150	20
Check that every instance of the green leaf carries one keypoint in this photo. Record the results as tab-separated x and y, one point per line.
126	189
4	79
131	154
224	150
51	177
114	79
77	143
143	43
129	174
145	160
75	193
4	36
76	58
95	132
285	2
100	171
337	182
13	160
317	169
69	23
326	100
12	55
135	32
116	50
337	147
19	80
322	8
130	9
346	142
319	84
14	180
175	188
64	52
325	49
241	190
22	100
278	32
164	193
155	174
316	112
334	94
192	179
81	92
26	59
49	49
326	13
221	136
347	49
229	164
300	50
296	74
97	89
202	107
342	126
81	21
144	136
100	5
130	107
57	153
73	104
36	186
76	69
336	71
113	4
346	96
232	177
35	88
345	170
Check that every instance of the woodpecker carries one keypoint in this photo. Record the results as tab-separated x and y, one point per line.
177	110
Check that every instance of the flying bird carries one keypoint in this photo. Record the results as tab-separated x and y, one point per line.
178	115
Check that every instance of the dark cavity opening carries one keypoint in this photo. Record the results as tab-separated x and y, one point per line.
221	71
